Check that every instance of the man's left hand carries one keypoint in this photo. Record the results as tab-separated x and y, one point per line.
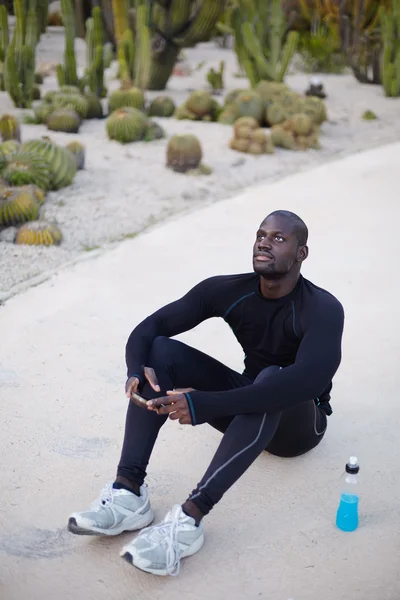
175	405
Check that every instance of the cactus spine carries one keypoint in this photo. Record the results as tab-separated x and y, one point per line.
95	55
19	72
66	73
259	28
390	20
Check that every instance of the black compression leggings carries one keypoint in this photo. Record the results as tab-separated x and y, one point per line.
289	433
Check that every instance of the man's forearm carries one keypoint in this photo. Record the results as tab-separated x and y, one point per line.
279	391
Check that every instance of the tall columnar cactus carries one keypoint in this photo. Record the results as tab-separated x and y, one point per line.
259	28
66	73
143	54
178	24
19	72
95	54
391	49
4	41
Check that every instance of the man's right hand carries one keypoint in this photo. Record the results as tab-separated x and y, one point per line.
132	385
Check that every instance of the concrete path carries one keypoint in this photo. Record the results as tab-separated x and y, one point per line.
273	536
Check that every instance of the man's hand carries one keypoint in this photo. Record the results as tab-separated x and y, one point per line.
175	405
132	385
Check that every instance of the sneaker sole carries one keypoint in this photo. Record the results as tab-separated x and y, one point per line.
146	519
135	560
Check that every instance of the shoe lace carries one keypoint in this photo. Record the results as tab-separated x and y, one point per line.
166	533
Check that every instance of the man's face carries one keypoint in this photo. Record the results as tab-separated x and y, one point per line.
276	249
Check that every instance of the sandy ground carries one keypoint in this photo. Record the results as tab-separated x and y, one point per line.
124	189
273	535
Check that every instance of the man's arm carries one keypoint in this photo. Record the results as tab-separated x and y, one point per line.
174	318
317	361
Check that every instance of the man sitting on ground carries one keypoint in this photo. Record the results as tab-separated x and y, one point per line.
291	334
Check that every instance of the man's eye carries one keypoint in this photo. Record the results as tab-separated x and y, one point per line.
260	237
279	238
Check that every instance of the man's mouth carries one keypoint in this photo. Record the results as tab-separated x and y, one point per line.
264	256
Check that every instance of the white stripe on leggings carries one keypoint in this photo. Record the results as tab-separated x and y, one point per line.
232	458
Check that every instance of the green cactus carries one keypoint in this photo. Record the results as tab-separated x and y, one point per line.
259	29
275	114
19	67
313	107
132	96
216	78
95	108
178	24
250	104
37	192
61	163
78	151
390	20
65	120
108	54
291	134
4	41
10	128
95	54
36	95
161	106
154	131
77	102
143	53
126	124
43	111
66	73
302	124
22	168
9	147
200	103
39	233
229	115
250	138
67	90
184	153
17	206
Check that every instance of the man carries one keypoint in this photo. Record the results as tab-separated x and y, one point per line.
290	331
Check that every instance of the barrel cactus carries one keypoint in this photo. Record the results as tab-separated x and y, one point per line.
17	206
76	102
313	107
297	133
37	192
43	111
49	96
132	97
9	147
154	131
229	115
232	95
24	167
61	163
250	104
184	153
10	128
78	151
200	103
161	106
275	114
250	138
95	108
126	125
65	120
38	233
270	91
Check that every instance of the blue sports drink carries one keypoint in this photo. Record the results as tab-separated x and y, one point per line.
347	512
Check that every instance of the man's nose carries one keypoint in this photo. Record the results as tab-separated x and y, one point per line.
265	243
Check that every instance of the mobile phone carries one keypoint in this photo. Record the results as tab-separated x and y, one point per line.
138	399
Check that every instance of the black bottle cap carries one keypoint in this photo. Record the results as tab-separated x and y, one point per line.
352	466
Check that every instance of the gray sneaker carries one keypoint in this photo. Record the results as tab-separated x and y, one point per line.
113	512
158	549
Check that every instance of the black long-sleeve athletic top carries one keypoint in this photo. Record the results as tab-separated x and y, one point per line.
301	332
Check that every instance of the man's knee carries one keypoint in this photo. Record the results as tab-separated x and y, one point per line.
162	351
267	372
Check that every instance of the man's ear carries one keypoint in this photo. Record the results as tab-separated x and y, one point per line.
302	253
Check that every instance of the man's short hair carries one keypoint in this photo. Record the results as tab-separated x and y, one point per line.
299	227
